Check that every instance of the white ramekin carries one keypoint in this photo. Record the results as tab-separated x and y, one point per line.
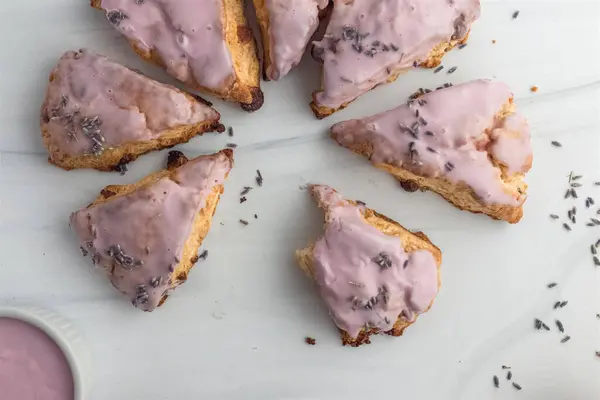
59	330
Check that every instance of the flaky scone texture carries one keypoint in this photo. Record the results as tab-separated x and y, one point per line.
460	194
202	221
242	47
433	60
411	241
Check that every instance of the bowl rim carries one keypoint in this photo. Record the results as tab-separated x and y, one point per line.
32	316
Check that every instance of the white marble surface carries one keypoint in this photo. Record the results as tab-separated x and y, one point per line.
236	329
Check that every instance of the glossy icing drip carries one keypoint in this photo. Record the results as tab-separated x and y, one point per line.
450	132
188	35
32	366
93	103
139	238
366	41
364	276
291	25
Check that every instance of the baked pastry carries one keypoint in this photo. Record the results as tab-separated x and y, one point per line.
146	235
99	114
207	44
287	26
464	142
373	274
368	43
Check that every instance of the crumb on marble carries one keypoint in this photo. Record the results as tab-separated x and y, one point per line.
533	88
310	341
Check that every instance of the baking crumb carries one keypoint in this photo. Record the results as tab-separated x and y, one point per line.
534	88
310	341
493	41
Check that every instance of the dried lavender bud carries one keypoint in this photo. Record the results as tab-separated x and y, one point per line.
349	33
383	260
115	17
556	144
560	326
156	281
496	381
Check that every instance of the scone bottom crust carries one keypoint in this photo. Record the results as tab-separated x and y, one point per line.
146	236
466	142
369	279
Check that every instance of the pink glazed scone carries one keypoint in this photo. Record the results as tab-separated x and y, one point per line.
100	114
374	275
369	43
146	236
465	142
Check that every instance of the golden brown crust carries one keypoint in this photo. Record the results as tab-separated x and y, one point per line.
411	241
245	88
201	224
460	194
433	60
262	17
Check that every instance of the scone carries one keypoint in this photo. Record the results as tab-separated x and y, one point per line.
207	44
99	114
373	274
464	142
146	236
368	43
286	26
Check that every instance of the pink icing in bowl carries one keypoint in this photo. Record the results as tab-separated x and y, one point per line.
37	357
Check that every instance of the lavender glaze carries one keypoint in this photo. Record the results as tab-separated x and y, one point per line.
291	25
188	35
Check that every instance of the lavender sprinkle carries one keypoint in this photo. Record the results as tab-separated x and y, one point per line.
516	14
560	326
438	69
565	339
496	381
451	70
244	222
566	226
517	386
564	303
509	376
231	145
553	216
230	131
556	305
556	144
204	255
552	284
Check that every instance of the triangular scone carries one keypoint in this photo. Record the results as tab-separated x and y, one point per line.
373	274
207	44
100	114
146	235
369	43
286	26
465	142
